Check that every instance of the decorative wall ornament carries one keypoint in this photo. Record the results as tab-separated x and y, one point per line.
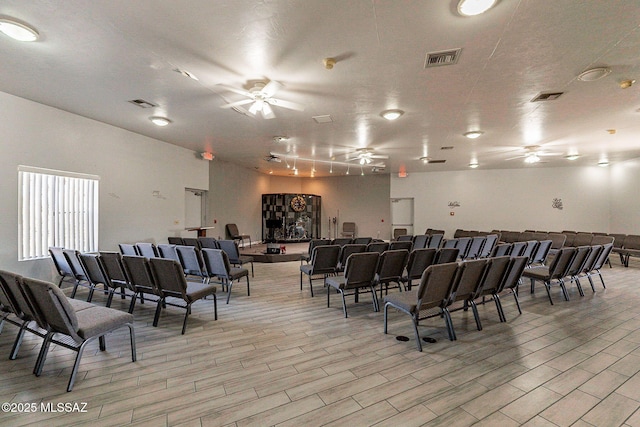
454	204
557	203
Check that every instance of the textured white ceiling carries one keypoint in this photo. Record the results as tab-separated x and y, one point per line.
95	56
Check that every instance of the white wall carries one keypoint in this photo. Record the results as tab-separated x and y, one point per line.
131	167
509	199
625	202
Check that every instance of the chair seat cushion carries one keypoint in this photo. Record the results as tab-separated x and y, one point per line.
244	258
80	305
337	282
404	300
307	268
196	291
541	273
236	273
96	321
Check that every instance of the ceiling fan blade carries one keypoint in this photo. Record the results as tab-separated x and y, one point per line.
516	157
239	91
271	88
286	104
267	112
257	106
237	103
378	156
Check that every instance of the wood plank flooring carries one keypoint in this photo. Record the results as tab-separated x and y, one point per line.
282	358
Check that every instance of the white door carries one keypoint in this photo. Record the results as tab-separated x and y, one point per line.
194	203
402	214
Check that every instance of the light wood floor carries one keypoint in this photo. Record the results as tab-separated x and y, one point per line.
280	357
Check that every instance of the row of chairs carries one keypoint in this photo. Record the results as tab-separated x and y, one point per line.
473	247
570	264
443	285
42	309
626	246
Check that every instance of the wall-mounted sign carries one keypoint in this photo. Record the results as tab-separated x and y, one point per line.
454	204
556	204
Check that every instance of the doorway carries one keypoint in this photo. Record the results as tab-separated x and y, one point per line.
402	215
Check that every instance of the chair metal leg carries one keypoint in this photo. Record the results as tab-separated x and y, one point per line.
564	290
132	335
76	365
578	285
102	342
449	324
184	323
229	286
416	333
42	355
374	296
132	304
515	296
18	340
496	300
215	307
386	309
157	315
248	288
601	279
301	280
547	285
344	303
328	296
476	315
311	286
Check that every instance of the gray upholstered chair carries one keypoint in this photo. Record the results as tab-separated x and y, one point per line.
419	260
139	273
57	316
379	247
501	249
168	252
128	249
169	278
401	244
447	255
217	265
348	230
434	290
114	268
176	240
602	259
397	232
492	281
146	249
577	265
60	263
490	242
359	273
341	241
553	273
435	240
208	242
510	283
347	250
540	255
467	286
475	246
312	244
234	234
97	275
192	262
390	269
590	263
73	260
324	261
231	248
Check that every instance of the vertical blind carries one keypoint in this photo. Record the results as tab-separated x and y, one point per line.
56	209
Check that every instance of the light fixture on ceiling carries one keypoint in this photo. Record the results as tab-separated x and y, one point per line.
18	30
424	159
331	168
392	114
594	74
473	164
626	84
532	158
573	156
474	7
603	163
348	167
473	134
361	171
159	121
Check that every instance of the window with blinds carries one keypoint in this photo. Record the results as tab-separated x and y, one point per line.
56	209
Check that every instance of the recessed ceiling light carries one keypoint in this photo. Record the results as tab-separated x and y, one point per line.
473	134
594	74
572	156
159	121
473	165
392	114
531	158
603	163
474	7
424	159
18	30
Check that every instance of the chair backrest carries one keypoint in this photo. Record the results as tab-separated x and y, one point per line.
436	285
618	241
577	263
530	249
191	260
514	272
362	240
176	241
510	236
208	242
420	241
325	259
591	260
494	276
405	238
168	252
347	250
317	242
501	249
470	279
557	240
139	272
632	241
525	236
127	249
490	242
599	239
73	259
191	241
459	233
463	244
401	244
391	265
604	255
348	227
146	249
570	235
52	307
377	247
540	235
561	263
447	255
232	230
419	260
397	232
435	240
360	269
113	267
450	243
518	248
542	250
231	248
59	261
217	262
341	241
582	239
475	247
169	277
94	270
11	296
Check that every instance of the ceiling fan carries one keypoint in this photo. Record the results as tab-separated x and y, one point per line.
533	153
272	158
365	156
260	95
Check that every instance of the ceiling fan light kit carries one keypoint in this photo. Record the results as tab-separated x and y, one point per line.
17	30
392	114
594	74
474	7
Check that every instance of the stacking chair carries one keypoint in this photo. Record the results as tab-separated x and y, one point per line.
450	243
176	241
192	262
168	252
510	283
379	247
73	260
324	260
557	242
555	272
603	239
435	240
420	241
231	248
127	249
191	241
208	242
401	244
217	265
348	229
435	288
419	260
530	249
490	242
60	263
139	273
362	240
113	266
447	255
492	281
95	272
359	273
390	269
540	255
602	259
466	288
57	316
589	264
501	249
347	250
235	235
148	250
312	244
475	247
577	265
518	249
582	239
618	245
631	248
405	238
398	232
341	241
170	281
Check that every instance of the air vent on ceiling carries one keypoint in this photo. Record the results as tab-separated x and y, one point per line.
435	161
322	119
449	147
443	57
550	96
377	169
142	103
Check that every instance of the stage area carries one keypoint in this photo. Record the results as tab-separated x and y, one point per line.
258	252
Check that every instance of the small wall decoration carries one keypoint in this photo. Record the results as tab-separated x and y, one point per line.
454	204
556	204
